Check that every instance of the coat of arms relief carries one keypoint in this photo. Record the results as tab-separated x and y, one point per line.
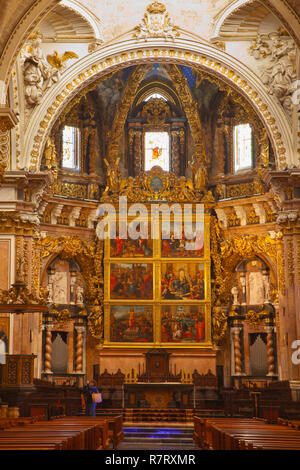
156	23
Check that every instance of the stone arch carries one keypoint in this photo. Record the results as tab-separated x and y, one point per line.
39	9
194	54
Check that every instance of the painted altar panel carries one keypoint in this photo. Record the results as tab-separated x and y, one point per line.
131	281
182	323
177	244
157	296
182	281
131	324
141	248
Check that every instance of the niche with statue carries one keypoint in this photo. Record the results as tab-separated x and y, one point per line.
64	283
253	284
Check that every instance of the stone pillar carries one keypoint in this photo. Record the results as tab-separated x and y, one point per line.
80	330
48	350
238	364
270	351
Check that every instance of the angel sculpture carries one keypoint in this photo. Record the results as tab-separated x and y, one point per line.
58	60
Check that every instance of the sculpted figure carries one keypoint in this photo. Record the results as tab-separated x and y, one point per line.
79	295
279	73
199	173
113	175
38	74
235	293
33	83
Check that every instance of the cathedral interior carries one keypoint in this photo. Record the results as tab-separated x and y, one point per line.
152	103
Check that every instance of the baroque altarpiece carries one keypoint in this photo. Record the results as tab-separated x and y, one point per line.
158	127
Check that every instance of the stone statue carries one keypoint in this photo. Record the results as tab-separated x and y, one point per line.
256	288
235	293
279	73
79	295
33	84
50	293
199	173
37	72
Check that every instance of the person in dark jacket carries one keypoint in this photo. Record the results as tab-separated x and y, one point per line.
89	389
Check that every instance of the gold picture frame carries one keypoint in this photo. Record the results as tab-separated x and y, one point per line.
157	302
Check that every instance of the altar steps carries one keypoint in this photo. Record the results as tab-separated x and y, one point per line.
179	416
157	438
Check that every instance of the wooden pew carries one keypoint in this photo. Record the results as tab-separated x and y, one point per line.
101	424
241	434
56	435
115	427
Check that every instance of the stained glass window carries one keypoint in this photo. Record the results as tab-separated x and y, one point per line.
70	147
157	150
242	147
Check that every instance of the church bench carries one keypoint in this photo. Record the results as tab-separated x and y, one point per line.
231	440
84	435
59	442
90	439
239	434
97	433
101	424
225	436
68	438
9	422
115	427
29	446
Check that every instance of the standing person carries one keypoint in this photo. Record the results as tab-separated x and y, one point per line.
90	406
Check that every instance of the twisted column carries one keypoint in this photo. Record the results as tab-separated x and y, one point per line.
79	349
48	350
237	351
270	351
